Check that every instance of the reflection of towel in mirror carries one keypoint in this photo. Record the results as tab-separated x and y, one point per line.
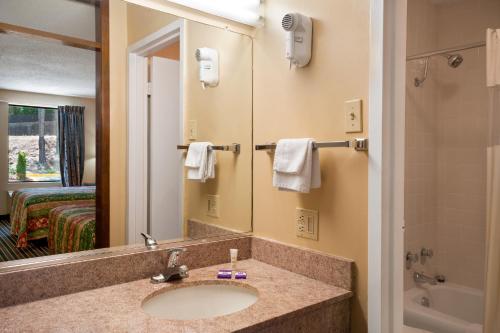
200	161
296	165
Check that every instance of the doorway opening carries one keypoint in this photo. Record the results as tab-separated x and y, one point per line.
155	182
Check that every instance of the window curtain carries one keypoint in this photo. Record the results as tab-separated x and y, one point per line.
71	144
492	283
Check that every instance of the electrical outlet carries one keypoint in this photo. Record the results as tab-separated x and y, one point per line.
306	222
353	116
213	205
192	130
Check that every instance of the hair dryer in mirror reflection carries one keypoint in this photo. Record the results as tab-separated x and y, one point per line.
298	38
209	66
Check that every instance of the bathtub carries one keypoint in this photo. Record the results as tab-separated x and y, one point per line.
451	308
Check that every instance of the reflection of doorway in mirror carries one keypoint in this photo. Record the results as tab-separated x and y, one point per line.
164	220
155	128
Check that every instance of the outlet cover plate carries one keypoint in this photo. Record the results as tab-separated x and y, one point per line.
306	223
213	205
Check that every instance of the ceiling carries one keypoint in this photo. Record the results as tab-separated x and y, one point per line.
44	67
67	17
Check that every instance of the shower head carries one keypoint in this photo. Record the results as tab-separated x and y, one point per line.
454	60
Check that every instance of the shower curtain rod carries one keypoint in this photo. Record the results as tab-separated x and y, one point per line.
444	51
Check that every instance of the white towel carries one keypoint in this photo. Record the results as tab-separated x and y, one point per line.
290	155
200	161
296	165
492	57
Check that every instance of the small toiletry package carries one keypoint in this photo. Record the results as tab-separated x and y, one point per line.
240	275
225	274
233	254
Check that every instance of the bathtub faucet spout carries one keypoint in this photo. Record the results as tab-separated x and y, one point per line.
422	278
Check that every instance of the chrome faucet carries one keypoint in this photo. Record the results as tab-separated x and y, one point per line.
422	278
174	271
149	241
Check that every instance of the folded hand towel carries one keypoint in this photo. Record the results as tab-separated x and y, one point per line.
295	170
200	161
196	153
290	155
493	57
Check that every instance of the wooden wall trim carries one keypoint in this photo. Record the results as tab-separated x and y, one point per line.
102	128
49	36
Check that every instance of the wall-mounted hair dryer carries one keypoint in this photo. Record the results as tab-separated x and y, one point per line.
209	66
298	39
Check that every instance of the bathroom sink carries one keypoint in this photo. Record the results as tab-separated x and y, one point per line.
200	301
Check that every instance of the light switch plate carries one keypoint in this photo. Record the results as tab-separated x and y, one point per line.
213	205
306	223
192	130
353	116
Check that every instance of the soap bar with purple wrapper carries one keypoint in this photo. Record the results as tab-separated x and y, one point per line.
240	275
224	274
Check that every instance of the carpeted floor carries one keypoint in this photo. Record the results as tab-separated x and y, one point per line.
9	251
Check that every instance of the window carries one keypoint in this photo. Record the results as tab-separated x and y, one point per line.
33	149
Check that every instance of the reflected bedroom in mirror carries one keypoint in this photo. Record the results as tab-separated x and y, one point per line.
85	164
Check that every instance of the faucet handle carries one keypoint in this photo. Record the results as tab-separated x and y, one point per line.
149	241
425	252
411	258
173	255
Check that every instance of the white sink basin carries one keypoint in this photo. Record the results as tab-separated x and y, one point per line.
200	301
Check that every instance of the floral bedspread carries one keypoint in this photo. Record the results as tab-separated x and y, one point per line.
71	228
30	209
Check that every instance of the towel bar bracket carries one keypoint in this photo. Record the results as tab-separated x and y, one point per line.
360	144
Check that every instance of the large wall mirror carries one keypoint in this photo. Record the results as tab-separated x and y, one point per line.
188	98
190	128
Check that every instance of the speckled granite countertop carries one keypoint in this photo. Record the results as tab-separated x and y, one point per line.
282	294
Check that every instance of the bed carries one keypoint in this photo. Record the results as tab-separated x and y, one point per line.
71	228
30	209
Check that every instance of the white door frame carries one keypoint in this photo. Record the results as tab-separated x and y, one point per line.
386	165
137	114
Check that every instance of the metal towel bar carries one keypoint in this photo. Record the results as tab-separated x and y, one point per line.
235	147
359	144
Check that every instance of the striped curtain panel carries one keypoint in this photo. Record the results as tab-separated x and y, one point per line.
71	144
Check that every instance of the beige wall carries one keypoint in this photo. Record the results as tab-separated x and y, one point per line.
142	21
224	116
118	120
27	98
308	102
